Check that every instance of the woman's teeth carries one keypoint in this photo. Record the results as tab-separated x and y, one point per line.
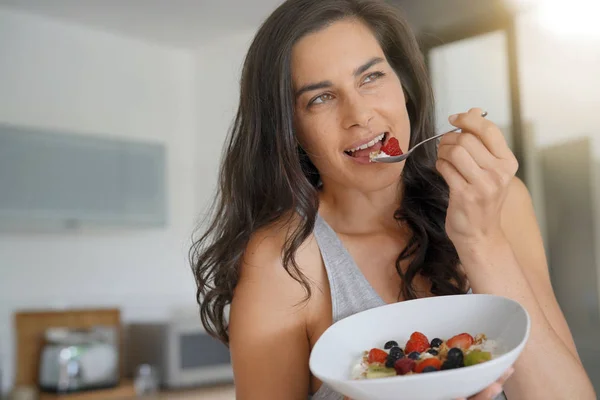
367	145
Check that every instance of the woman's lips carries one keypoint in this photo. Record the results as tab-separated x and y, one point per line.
362	156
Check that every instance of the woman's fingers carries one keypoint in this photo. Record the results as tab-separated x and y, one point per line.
505	376
454	179
473	145
492	391
487	131
462	160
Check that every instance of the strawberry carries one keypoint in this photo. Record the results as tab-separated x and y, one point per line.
417	342
462	341
392	147
377	356
428	362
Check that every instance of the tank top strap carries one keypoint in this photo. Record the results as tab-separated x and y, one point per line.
350	290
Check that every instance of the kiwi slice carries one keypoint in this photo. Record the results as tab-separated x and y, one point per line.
379	371
477	357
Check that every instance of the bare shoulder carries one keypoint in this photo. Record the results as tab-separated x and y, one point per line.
269	317
263	261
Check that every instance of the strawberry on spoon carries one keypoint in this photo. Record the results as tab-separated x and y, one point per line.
392	147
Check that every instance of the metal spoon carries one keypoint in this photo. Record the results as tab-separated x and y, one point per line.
402	157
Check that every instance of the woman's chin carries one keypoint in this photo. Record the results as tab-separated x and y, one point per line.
382	179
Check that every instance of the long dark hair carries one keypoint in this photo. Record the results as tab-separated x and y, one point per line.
265	176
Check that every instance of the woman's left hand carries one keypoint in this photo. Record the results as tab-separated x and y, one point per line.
478	167
492	391
489	393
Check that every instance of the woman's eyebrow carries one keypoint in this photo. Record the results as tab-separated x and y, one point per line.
313	86
367	65
326	84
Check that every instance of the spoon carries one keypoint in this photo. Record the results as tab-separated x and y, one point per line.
402	157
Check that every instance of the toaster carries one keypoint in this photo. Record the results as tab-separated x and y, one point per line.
78	360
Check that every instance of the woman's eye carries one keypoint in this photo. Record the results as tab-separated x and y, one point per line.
372	77
321	99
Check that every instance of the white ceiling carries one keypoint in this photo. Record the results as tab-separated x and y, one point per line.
189	23
180	23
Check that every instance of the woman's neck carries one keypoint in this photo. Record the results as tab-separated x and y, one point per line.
352	211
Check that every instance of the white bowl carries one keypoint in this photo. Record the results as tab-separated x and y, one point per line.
343	343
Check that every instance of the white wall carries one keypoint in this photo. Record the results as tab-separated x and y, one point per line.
560	89
472	73
67	77
560	97
217	86
560	82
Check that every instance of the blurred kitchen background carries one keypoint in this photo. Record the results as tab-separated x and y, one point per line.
112	118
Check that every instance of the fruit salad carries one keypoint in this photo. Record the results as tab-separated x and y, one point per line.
419	355
391	148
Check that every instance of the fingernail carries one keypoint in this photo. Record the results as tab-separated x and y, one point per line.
452	118
508	373
496	391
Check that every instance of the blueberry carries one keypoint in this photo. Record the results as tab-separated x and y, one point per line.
455	356
390	344
390	361
437	342
449	365
433	352
430	368
414	355
397	352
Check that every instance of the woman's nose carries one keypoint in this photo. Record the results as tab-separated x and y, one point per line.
356	112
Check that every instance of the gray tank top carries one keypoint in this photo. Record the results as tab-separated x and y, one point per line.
350	290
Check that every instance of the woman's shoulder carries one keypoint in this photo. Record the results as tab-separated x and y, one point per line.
267	245
263	267
270	321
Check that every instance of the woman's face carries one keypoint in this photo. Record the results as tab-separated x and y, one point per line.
347	95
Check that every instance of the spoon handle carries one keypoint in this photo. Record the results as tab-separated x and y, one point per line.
434	137
483	114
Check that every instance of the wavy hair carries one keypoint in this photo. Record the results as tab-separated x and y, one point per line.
265	176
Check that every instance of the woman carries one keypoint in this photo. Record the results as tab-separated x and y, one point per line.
307	231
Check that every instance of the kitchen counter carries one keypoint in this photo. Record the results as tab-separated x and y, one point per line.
225	392
212	393
126	392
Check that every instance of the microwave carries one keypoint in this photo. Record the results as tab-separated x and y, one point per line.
181	352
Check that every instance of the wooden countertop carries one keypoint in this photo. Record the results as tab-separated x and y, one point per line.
126	392
226	392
